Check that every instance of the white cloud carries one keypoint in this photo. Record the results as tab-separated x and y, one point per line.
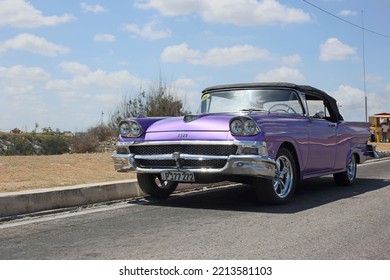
123	62
75	68
103	37
85	94
373	78
237	12
94	81
352	104
19	74
347	13
74	96
96	9
179	53
231	56
349	97
213	57
184	83
172	7
20	97
186	90
34	44
17	114
334	49
291	60
282	74
148	31
22	14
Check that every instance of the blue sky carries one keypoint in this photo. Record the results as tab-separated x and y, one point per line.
64	62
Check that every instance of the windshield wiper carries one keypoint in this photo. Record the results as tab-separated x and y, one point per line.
250	110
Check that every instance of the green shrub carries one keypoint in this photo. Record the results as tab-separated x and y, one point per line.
55	144
20	146
33	144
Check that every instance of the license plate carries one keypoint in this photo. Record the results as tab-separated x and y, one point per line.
178	176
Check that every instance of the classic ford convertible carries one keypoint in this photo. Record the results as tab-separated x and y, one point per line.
268	135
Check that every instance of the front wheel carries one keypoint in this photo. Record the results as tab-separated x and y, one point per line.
280	189
154	186
347	178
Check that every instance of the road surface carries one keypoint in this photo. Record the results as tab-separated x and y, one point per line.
323	221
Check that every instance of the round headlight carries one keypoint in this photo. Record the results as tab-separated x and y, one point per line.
250	127
130	129
135	129
236	127
124	129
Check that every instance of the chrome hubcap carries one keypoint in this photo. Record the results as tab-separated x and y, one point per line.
283	179
351	168
161	184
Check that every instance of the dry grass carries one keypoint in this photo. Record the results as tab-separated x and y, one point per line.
29	172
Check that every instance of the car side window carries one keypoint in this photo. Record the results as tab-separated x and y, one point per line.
317	108
286	102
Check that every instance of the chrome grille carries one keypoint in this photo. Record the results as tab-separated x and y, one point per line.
186	163
216	150
207	150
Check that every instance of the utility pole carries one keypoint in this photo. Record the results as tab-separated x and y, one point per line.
102	117
364	73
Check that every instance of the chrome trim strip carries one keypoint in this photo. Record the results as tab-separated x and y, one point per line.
182	156
240	165
192	142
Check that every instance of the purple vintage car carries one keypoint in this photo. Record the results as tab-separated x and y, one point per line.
268	135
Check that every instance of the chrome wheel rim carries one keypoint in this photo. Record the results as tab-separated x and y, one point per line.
164	185
351	168
283	179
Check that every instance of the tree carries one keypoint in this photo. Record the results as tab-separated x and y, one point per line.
85	143
47	130
102	132
163	101
35	127
159	101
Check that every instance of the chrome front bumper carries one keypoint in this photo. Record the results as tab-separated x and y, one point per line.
240	164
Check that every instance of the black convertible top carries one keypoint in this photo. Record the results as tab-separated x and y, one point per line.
314	93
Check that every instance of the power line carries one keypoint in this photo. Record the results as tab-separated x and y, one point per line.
346	21
364	60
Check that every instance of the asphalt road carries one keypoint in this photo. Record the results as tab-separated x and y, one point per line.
323	221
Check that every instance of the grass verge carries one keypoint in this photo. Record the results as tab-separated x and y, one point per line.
30	172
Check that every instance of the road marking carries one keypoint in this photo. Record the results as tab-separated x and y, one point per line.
373	161
96	208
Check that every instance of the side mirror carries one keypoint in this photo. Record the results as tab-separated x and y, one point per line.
319	115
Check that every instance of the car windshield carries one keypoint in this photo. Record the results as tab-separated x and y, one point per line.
268	100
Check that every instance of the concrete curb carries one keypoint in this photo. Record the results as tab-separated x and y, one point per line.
25	202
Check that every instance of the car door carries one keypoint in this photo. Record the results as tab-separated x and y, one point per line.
321	145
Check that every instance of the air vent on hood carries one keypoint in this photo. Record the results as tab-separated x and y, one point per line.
190	118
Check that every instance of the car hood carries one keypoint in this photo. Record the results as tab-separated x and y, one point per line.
192	123
191	127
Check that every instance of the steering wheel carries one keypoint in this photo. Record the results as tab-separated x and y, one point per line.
288	108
